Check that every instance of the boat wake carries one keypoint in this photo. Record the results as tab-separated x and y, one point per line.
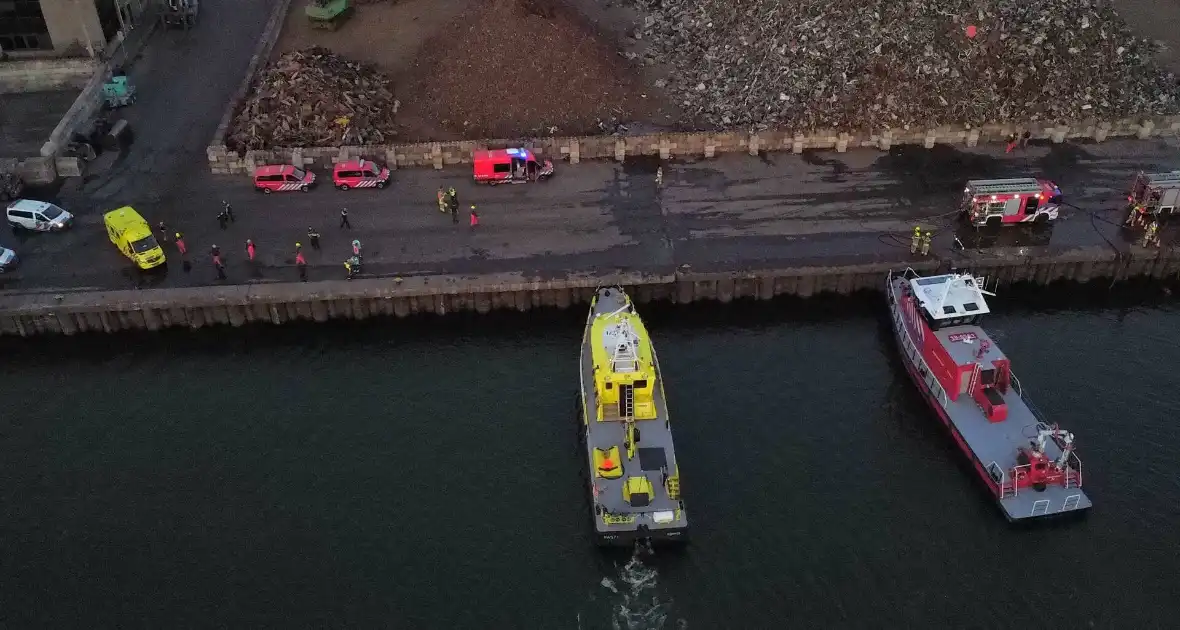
634	598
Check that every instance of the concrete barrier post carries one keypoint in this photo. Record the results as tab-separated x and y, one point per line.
575	151
886	141
710	146
38	170
973	138
436	155
798	143
930	138
1101	131
1145	129
620	150
391	159
753	144
842	143
297	157
68	166
665	148
1059	134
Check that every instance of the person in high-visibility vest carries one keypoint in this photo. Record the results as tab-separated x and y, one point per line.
1150	234
442	200
926	243
916	241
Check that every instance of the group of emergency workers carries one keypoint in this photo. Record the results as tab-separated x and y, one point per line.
920	243
1140	218
448	201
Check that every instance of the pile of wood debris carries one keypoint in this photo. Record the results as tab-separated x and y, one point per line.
315	98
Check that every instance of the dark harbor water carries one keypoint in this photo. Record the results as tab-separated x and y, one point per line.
424	475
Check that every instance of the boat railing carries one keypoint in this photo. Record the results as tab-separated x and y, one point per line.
911	350
1016	477
1040	417
998	475
1073	474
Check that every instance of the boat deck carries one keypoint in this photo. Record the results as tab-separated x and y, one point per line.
993	441
654	453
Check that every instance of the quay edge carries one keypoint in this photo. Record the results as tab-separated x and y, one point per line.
69	313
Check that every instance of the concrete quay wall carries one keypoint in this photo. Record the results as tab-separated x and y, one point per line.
38	314
693	145
45	75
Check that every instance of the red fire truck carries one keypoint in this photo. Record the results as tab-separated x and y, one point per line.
359	174
509	166
995	202
1153	196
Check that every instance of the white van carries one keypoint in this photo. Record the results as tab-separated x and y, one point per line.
40	216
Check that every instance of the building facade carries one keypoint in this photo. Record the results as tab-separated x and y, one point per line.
62	28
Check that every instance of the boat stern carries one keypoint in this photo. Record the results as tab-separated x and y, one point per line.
1055	501
657	528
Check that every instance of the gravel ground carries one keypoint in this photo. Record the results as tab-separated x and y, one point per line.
507	68
841	63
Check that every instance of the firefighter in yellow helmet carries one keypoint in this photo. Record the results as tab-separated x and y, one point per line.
916	241
926	243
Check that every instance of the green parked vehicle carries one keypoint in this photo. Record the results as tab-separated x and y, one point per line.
328	14
118	91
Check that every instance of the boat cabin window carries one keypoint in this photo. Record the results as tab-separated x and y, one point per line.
951	321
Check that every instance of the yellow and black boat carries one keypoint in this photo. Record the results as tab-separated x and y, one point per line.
634	479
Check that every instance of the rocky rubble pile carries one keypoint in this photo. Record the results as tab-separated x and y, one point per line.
812	64
314	97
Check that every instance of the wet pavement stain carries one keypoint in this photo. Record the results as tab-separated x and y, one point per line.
1064	158
642	165
1004	236
942	169
710	179
839	169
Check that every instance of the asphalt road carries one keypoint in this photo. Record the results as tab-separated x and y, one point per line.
728	213
722	214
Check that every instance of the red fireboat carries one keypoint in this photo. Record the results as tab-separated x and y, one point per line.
1028	463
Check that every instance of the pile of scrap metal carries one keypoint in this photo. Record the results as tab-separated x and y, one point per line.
179	13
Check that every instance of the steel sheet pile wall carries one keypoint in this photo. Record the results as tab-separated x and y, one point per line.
361	299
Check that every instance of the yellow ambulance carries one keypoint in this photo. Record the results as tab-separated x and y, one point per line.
133	236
